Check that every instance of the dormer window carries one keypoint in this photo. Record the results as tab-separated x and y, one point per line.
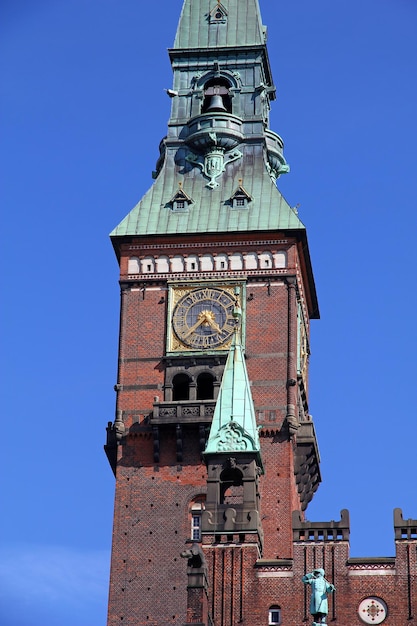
180	201
240	199
218	15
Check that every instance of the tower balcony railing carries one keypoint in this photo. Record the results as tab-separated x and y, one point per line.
214	129
183	412
274	142
275	152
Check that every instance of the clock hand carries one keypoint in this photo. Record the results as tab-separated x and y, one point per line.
194	327
213	325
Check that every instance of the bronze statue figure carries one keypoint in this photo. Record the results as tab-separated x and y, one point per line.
320	587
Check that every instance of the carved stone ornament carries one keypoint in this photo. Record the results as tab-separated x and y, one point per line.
275	172
372	611
213	163
119	426
231	437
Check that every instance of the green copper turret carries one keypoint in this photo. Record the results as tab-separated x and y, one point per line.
233	429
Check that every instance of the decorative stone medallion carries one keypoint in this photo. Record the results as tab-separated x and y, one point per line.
372	611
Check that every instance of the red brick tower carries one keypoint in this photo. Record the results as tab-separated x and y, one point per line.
212	230
213	241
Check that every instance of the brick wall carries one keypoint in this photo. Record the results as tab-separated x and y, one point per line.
152	517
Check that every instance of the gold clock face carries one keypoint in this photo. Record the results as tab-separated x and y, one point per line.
203	319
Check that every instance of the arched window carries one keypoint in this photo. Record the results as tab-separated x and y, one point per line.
178	263
274	615
148	264
280	259
162	264
236	261
205	387
251	261
217	96
181	387
191	263
196	511
265	260
133	265
206	263
221	262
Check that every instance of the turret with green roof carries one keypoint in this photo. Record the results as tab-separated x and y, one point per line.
233	429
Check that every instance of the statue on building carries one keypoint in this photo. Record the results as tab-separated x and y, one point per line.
320	587
195	557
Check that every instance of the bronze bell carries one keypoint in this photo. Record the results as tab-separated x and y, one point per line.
216	104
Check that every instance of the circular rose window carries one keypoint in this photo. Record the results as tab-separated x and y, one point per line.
372	610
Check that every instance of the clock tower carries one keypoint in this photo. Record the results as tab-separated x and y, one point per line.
213	447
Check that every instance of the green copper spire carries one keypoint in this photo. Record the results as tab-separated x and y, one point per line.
233	429
213	24
218	137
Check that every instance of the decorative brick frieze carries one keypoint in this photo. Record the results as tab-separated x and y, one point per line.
227	274
211	244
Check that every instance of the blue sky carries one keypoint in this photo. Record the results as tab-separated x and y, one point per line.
82	112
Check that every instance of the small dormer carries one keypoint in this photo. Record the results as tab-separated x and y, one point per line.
180	201
240	198
218	15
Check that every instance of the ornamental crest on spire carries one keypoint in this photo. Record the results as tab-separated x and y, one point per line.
233	438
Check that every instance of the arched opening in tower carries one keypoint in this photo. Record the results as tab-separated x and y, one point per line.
231	486
205	387
217	96
180	387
